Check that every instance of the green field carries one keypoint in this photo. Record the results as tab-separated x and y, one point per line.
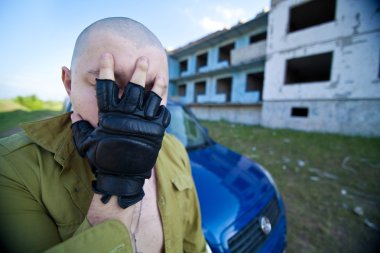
12	114
330	184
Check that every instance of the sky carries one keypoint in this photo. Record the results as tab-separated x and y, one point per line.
38	36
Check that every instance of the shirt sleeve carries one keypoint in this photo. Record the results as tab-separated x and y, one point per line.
109	236
27	227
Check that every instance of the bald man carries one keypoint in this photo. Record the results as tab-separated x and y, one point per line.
49	172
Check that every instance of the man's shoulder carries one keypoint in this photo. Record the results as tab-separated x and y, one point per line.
171	141
14	142
174	155
171	146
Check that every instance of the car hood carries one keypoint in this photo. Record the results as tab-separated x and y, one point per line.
228	186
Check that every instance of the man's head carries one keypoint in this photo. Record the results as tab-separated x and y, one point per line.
127	41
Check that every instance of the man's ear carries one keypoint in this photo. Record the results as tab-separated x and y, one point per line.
66	79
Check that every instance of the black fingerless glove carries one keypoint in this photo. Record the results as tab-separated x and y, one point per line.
124	147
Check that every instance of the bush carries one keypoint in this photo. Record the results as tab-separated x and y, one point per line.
31	102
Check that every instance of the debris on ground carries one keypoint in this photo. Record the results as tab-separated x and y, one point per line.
253	149
315	170
286	159
286	140
358	210
324	174
314	178
343	192
301	163
345	164
370	224
329	175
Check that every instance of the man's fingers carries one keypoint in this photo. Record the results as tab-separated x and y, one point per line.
141	70
106	67
75	117
160	86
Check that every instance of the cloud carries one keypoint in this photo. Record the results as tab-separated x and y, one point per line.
230	14
210	24
225	17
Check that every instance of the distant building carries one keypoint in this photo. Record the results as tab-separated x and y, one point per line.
307	65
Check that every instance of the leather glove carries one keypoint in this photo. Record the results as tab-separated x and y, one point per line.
124	147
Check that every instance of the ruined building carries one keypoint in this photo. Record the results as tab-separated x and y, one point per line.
307	65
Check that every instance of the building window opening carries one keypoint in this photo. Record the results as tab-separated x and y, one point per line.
302	112
183	66
255	82
200	89
182	90
314	68
225	53
311	13
257	37
202	60
223	86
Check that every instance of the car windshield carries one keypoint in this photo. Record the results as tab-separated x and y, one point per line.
185	127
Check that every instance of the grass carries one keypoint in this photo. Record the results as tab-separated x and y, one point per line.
12	114
11	120
322	178
7	105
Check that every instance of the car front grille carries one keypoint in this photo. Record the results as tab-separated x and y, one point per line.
250	238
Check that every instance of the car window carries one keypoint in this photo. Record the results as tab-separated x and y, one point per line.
185	127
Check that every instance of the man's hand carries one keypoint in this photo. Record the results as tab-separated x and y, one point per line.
124	147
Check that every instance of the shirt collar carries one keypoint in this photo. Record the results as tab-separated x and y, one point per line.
54	135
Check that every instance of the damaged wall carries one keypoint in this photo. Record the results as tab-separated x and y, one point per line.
350	99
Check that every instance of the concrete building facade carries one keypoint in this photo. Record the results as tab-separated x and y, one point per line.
322	66
221	75
307	65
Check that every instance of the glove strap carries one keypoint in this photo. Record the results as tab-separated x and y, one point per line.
129	190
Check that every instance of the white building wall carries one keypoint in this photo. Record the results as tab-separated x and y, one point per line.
350	101
237	114
354	70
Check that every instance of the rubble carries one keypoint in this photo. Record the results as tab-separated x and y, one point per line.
370	224
286	159
301	163
329	175
345	164
314	178
358	210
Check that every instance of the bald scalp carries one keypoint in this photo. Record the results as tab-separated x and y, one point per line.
127	28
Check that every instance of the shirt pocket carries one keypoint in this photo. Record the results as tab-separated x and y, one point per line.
182	182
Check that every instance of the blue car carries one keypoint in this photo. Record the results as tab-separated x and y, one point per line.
242	210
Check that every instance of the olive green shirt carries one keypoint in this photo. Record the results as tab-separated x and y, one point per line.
45	192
